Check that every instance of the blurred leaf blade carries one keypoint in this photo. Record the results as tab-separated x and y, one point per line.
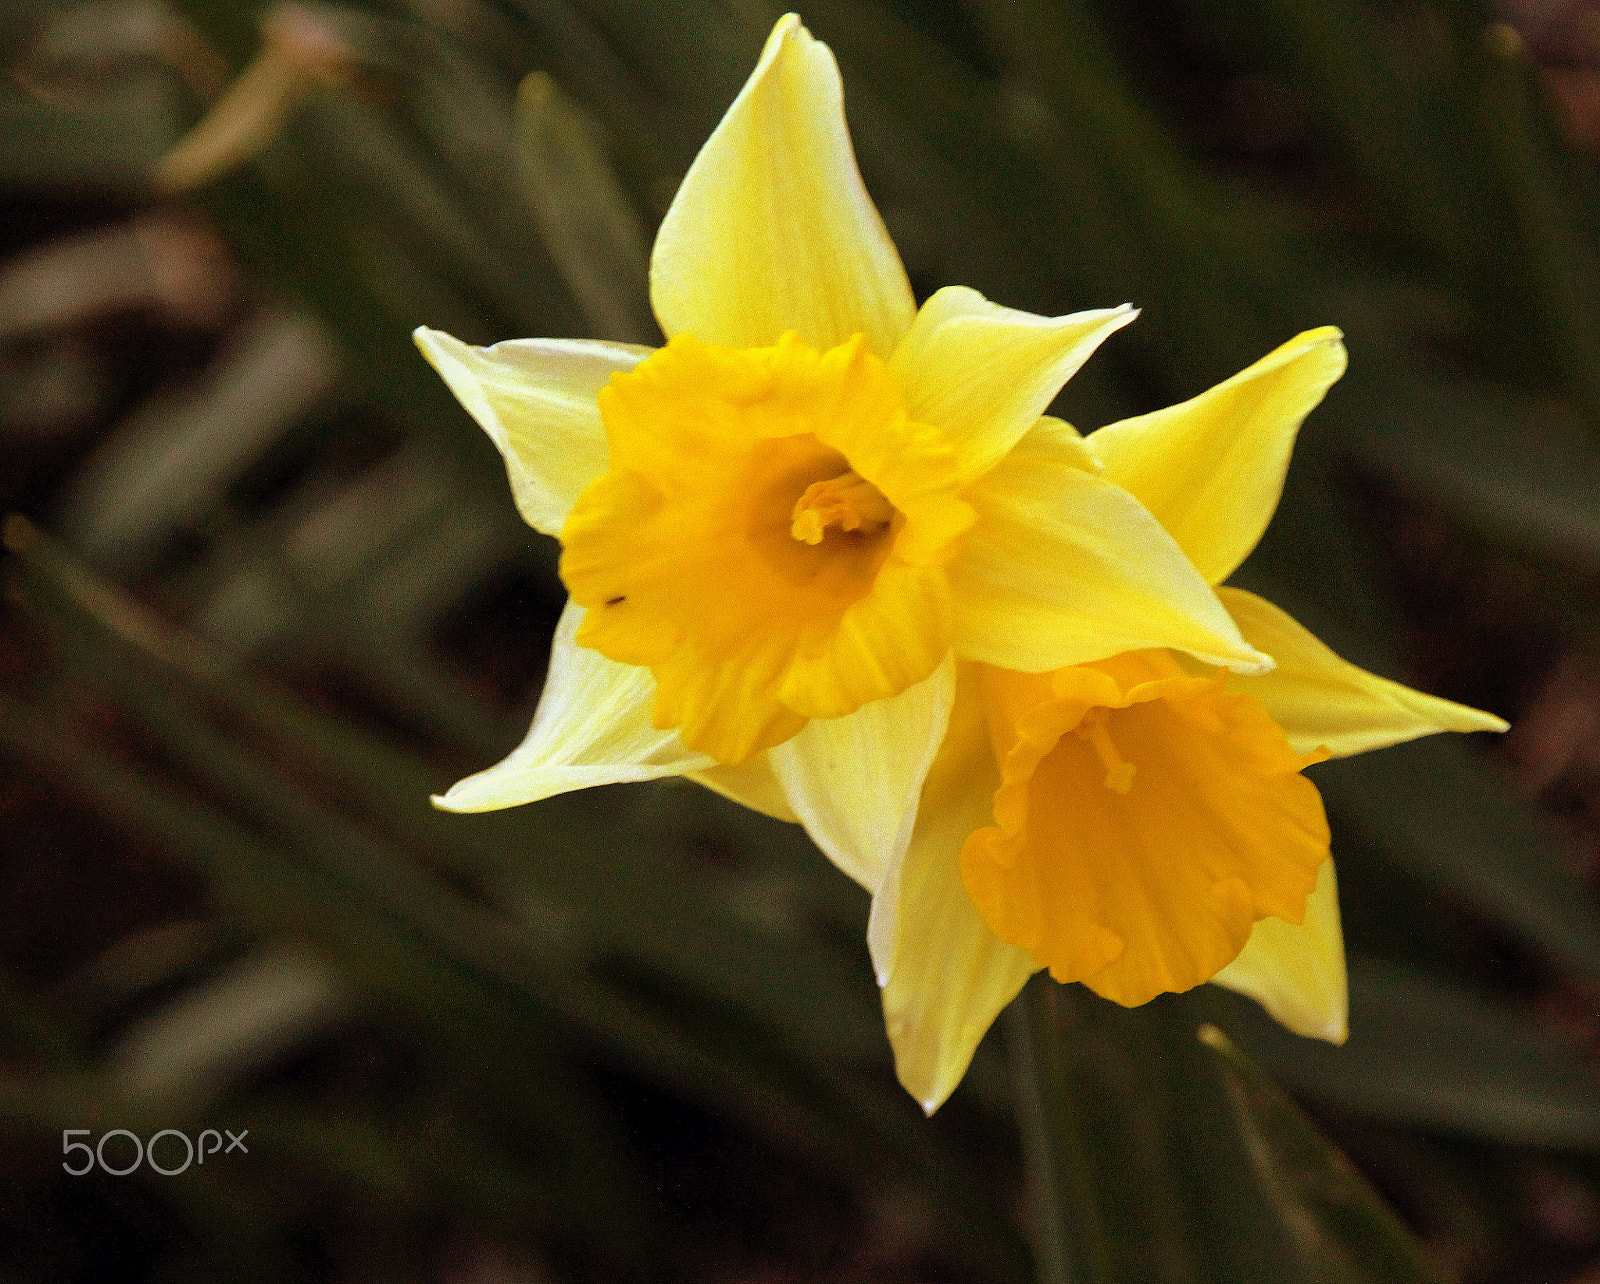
1558	250
583	213
1344	1232
1435	1053
482	980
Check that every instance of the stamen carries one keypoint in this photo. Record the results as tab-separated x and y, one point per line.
848	501
1094	729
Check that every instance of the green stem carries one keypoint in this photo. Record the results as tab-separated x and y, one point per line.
1070	1245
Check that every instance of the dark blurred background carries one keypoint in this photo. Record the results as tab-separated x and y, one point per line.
265	591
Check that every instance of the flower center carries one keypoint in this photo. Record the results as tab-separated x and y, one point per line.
848	501
770	540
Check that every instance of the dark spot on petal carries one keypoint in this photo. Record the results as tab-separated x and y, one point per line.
612	601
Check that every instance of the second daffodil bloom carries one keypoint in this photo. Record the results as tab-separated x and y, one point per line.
782	530
1140	823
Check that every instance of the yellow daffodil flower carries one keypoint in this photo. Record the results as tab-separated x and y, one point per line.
1140	823
782	529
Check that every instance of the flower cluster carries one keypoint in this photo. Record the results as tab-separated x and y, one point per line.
827	555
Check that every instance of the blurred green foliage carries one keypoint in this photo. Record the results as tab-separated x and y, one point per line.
248	642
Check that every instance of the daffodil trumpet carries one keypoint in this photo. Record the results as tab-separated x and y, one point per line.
823	543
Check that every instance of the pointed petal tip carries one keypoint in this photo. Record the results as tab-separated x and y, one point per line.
462	799
1114	318
789	25
931	1094
1083	314
1211	469
426	336
452	360
431	342
1117	317
1324	341
1328	1027
1463	717
983	373
1320	699
772	228
1322	336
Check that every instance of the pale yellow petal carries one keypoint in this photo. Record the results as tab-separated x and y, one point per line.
1211	469
1319	699
592	727
1298	973
983	374
751	784
536	398
948	975
773	229
1063	567
854	781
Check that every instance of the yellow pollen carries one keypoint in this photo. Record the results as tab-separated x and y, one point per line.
848	501
1093	728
